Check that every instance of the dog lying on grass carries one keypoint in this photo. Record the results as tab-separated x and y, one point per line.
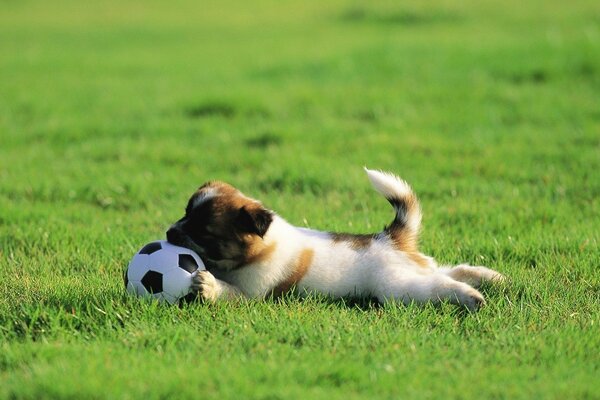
250	251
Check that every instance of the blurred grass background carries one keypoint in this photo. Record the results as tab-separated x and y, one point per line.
112	113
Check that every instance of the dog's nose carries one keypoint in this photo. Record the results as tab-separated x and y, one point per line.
174	236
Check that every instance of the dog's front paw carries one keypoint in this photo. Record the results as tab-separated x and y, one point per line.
205	286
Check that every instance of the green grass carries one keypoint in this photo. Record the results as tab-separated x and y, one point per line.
112	113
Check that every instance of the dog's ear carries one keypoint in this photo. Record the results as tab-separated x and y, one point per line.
254	220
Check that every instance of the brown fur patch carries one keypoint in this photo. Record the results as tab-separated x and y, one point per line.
299	270
418	258
403	239
354	241
260	252
406	240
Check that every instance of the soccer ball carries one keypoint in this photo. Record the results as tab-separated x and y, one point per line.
163	271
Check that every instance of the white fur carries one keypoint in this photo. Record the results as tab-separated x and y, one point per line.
207	193
337	269
390	186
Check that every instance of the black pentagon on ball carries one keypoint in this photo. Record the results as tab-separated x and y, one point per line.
151	248
153	281
187	263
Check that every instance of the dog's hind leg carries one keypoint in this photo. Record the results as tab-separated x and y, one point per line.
473	276
408	286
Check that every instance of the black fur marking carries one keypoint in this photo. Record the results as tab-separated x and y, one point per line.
401	209
254	220
199	216
193	224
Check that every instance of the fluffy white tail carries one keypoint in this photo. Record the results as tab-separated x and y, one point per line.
404	229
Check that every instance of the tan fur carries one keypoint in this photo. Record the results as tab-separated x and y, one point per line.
356	242
419	259
258	251
300	269
406	239
407	243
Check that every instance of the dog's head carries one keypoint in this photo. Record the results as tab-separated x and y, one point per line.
223	226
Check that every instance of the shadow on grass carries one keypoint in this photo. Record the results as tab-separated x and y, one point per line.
397	17
223	109
366	304
263	141
211	109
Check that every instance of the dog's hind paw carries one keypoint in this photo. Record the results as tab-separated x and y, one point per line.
473	300
473	276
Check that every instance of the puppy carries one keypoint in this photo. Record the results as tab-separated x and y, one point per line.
250	251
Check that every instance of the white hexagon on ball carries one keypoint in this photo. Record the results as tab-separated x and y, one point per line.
162	271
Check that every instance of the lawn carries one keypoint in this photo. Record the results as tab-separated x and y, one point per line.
113	112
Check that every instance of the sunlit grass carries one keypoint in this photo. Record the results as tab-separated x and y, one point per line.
111	114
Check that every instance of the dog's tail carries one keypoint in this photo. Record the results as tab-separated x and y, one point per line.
404	229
